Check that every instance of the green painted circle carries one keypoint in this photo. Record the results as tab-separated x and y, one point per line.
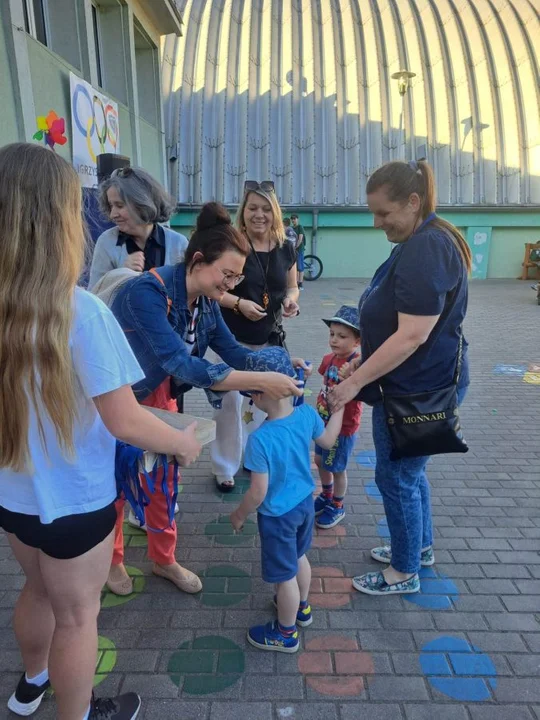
208	664
241	485
225	585
134	537
223	532
106	659
109	599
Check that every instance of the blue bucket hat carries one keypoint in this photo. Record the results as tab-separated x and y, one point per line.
270	359
346	315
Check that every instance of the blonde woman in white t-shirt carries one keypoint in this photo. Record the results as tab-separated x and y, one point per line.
64	396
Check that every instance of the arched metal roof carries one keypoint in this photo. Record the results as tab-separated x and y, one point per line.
300	91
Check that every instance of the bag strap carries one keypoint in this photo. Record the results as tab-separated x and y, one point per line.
160	279
459	356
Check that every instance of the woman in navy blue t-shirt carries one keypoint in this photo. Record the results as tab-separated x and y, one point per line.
410	324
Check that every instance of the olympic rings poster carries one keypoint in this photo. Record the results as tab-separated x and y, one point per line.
95	128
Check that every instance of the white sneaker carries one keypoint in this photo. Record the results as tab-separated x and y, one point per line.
132	520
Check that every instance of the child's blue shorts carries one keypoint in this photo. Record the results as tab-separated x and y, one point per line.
336	459
284	539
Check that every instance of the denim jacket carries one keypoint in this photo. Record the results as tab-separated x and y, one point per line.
157	338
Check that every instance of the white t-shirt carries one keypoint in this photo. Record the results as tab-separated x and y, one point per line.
58	486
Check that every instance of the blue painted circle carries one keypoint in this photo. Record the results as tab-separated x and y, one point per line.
515	370
437	591
458	670
382	529
373	491
366	458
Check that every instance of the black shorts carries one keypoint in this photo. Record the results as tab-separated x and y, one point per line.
65	538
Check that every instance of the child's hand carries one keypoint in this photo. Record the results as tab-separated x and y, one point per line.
236	520
298	362
347	369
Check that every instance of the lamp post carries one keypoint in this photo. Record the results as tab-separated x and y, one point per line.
404	78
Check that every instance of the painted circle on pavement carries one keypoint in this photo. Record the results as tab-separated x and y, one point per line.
458	669
106	659
372	491
223	532
109	599
330	588
241	485
224	585
206	665
436	591
334	665
382	529
328	537
366	458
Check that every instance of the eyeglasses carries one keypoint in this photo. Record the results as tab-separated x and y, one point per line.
252	186
230	278
122	172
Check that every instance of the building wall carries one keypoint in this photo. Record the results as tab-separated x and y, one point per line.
47	86
303	93
8	113
349	246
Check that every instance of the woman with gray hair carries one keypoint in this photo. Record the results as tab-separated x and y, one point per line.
136	204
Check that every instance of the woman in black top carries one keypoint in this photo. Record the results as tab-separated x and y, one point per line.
253	310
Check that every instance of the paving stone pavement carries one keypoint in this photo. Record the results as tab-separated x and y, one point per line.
466	648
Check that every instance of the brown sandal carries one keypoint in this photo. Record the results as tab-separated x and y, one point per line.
184	579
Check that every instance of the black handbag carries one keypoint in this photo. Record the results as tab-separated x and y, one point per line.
426	423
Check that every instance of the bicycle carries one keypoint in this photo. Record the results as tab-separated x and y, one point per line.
313	267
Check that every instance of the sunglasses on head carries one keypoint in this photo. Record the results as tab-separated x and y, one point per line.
122	172
252	186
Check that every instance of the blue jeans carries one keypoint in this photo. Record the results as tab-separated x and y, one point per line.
406	495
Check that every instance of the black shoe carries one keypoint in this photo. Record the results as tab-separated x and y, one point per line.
27	697
123	707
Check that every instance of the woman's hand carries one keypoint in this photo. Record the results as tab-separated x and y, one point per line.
278	386
299	363
290	308
135	261
191	447
251	310
343	393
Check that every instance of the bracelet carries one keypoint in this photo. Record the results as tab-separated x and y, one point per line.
236	307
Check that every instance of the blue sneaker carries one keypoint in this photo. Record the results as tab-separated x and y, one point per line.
304	616
269	637
330	516
321	502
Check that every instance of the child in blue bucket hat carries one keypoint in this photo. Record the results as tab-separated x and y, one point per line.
332	463
278	456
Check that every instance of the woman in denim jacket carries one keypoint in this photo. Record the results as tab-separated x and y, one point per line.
171	317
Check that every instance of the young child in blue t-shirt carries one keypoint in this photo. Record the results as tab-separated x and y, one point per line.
278	456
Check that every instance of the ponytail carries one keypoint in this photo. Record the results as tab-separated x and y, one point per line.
402	180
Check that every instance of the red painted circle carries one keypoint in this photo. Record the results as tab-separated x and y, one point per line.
334	665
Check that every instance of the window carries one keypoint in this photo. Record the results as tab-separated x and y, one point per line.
54	23
35	19
109	21
97	44
147	66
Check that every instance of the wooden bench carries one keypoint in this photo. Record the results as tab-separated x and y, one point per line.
528	263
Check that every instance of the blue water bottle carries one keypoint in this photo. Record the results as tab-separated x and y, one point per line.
300	375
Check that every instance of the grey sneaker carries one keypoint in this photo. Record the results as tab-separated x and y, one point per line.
384	555
374	584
